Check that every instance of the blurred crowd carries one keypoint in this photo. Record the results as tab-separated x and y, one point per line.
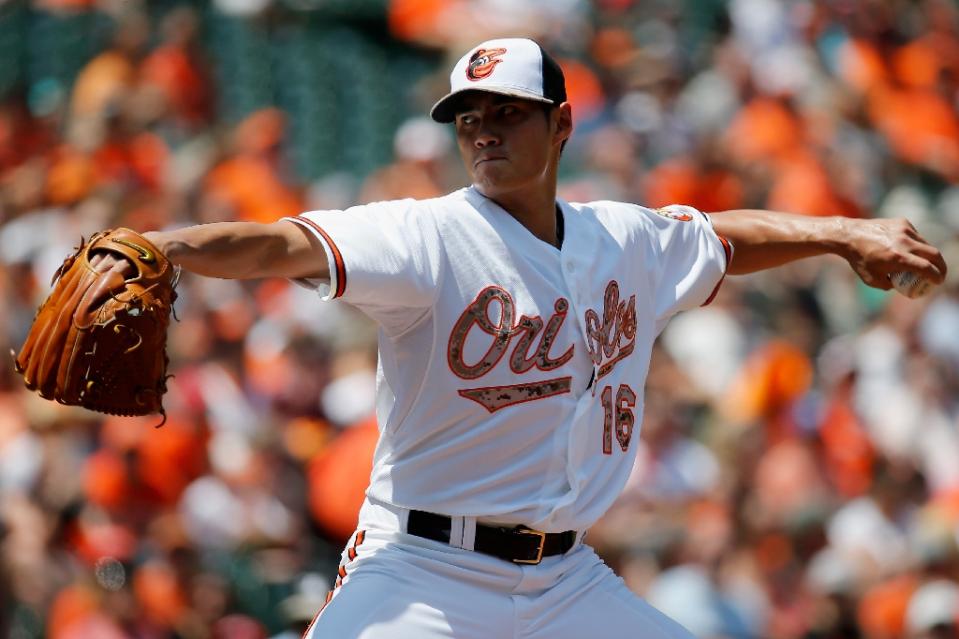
798	474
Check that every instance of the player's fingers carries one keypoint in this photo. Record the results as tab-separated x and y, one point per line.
924	248
921	266
125	268
913	234
102	262
940	262
936	265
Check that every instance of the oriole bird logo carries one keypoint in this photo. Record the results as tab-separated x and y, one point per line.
674	215
483	62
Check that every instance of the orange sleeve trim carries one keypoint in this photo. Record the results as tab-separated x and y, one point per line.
728	250
337	256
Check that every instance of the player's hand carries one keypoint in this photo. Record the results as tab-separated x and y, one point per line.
104	262
877	248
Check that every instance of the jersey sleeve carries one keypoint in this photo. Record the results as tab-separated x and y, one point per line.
383	257
692	260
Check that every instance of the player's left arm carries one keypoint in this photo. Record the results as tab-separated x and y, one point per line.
874	248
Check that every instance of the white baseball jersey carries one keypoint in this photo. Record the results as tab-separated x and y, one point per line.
510	384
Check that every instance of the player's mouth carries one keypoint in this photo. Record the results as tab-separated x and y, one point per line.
488	158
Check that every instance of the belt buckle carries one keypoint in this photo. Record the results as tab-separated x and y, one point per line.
539	550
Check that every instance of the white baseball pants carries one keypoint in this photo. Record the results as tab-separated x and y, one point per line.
393	585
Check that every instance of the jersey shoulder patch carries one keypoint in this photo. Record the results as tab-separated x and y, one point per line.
678	212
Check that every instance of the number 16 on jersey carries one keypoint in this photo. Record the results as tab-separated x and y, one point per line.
618	415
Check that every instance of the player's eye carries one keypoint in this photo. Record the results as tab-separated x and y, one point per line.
511	112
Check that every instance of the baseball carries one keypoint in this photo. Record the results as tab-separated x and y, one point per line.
910	284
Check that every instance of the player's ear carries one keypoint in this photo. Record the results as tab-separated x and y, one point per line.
564	121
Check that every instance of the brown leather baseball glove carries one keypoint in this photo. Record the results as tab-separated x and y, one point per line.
99	339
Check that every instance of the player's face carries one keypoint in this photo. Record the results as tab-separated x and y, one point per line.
506	143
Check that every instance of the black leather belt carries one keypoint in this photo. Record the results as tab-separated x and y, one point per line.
519	545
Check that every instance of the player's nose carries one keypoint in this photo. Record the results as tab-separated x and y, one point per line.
486	138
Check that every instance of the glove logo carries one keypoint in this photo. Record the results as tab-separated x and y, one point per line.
483	62
146	255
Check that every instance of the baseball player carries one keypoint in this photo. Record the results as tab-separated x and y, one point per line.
515	338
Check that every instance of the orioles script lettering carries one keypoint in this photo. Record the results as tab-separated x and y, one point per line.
504	330
612	337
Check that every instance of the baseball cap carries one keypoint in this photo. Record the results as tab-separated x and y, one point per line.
509	66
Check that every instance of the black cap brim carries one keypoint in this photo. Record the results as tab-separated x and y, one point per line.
444	110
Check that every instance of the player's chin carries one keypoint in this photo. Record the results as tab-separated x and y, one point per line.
490	188
492	176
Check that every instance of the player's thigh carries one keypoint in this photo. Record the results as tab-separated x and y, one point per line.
593	601
395	595
631	617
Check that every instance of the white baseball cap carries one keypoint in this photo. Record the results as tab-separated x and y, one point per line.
508	66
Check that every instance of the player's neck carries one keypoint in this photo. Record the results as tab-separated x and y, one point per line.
533	208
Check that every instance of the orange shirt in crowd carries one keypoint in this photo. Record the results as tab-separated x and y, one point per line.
848	453
159	594
142	158
680	181
252	186
584	91
861	65
411	19
187	91
101	82
338	477
921	127
764	130
882	608
772	378
249	180
802	185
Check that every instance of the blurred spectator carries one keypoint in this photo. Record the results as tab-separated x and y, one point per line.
250	180
421	147
107	79
176	69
